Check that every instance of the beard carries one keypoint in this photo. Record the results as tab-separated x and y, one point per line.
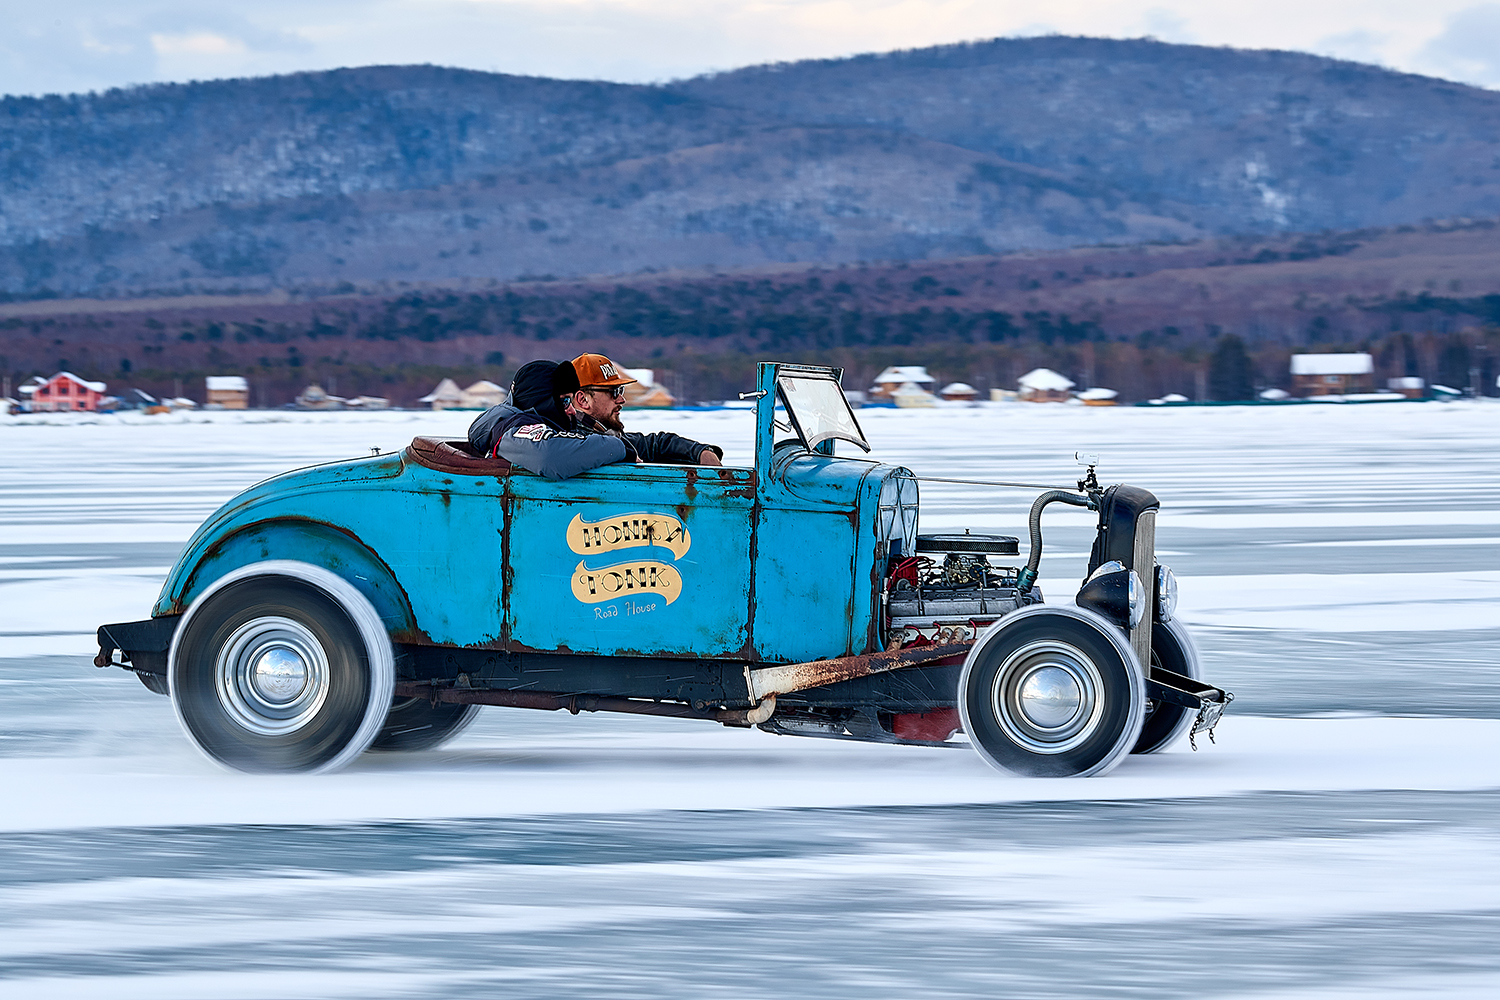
612	423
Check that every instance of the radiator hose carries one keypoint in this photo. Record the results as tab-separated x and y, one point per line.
1027	577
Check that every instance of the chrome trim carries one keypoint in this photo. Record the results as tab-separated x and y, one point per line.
1143	558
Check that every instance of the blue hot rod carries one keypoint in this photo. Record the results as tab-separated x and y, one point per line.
376	604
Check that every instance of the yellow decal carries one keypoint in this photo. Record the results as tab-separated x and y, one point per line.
628	531
638	579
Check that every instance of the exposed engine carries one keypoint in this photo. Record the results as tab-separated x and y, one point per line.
950	589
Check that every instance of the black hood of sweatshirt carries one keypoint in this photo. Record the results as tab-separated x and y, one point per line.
533	391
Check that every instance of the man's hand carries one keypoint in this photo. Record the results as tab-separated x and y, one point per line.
709	457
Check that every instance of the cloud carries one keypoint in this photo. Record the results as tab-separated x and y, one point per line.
1167	25
199	43
77	45
1357	45
1469	48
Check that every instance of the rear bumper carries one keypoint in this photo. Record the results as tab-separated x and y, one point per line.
143	645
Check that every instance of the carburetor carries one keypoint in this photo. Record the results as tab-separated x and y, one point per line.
948	590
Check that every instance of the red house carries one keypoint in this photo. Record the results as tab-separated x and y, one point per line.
66	391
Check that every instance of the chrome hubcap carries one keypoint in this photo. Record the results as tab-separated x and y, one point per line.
1046	696
272	676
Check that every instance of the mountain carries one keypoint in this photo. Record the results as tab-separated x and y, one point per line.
366	178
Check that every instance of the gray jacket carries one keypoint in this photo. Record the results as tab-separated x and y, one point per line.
535	443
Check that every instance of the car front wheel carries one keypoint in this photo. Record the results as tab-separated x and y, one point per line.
281	666
1052	692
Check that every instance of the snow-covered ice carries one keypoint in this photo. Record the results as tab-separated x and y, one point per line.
1337	565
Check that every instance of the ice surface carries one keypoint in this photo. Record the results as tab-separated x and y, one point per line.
1336	563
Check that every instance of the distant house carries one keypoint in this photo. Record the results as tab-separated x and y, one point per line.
64	391
137	399
888	382
315	397
1409	386
368	403
1098	396
481	396
226	392
913	396
1331	374
959	392
1043	385
645	391
447	396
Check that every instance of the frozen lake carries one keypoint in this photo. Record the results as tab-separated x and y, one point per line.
1338	567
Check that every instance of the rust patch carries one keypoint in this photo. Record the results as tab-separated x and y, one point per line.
746	492
788	678
690	487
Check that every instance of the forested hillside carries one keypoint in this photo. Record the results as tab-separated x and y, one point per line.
388	174
1143	320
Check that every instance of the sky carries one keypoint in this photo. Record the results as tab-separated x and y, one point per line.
67	46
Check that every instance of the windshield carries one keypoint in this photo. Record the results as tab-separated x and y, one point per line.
819	410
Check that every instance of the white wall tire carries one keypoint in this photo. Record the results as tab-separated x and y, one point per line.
281	666
1052	692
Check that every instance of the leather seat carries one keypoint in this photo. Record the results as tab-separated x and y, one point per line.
457	457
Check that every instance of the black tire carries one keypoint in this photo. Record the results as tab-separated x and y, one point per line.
1052	692
418	724
1171	648
281	666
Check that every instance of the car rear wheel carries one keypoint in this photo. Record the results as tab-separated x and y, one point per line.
1052	692
1173	649
281	666
418	724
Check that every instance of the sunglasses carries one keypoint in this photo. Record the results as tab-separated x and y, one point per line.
614	391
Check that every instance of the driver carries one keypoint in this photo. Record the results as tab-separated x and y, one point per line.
564	418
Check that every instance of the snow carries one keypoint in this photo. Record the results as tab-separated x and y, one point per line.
1321	551
561	765
1332	364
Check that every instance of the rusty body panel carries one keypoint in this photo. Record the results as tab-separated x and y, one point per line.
767	682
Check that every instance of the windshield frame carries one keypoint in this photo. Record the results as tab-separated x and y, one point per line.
831	376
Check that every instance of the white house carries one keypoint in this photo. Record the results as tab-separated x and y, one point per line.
482	395
228	392
912	395
960	391
645	391
1043	385
893	378
447	396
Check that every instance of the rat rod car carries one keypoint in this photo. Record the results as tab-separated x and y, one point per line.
377	603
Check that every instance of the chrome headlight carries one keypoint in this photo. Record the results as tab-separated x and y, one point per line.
1137	599
1114	592
1166	593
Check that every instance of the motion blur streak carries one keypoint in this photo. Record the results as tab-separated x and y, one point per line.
1341	840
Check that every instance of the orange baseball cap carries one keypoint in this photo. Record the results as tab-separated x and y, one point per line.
596	369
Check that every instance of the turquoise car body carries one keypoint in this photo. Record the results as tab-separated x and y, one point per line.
778	563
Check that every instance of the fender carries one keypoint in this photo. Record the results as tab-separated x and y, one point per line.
304	540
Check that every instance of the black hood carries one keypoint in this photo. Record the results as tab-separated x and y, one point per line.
535	390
